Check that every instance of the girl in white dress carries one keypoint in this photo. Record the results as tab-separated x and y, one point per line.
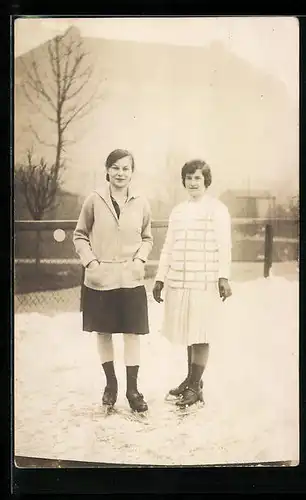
194	270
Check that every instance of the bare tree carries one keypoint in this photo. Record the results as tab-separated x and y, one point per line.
56	88
38	183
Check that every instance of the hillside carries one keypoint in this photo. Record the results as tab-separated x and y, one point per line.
168	104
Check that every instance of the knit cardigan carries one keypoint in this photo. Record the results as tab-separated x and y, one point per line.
197	248
114	242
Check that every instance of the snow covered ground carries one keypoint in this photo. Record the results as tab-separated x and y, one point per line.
250	388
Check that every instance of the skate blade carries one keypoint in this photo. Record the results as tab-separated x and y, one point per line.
108	410
139	416
192	408
172	399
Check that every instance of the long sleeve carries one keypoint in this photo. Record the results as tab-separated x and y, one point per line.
224	240
146	234
81	233
164	260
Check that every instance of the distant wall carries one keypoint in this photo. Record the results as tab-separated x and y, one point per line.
248	243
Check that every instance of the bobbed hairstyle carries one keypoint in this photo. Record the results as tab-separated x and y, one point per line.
191	166
116	155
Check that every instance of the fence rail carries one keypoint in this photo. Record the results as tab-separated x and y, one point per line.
248	236
48	225
56	285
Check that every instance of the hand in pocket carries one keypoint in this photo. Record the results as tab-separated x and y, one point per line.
138	269
94	264
93	273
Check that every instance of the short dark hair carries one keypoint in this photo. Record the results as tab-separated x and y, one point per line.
191	166
116	155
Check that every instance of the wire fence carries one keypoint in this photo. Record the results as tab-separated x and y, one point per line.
48	274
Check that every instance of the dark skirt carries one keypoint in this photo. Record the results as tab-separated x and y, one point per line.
123	310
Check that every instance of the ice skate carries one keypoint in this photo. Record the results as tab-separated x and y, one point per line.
137	402
193	392
109	399
190	397
134	397
178	391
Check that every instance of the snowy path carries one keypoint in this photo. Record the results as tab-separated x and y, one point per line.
251	388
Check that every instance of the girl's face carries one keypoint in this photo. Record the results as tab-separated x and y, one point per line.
194	183
120	173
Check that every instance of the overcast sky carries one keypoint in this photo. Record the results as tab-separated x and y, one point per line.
271	43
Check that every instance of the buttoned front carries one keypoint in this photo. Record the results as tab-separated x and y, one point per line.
113	241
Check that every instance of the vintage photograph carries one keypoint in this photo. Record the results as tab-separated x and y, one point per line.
156	240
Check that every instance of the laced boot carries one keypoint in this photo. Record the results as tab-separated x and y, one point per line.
134	397
193	392
178	391
109	397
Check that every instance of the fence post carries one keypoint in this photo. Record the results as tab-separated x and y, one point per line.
82	288
268	249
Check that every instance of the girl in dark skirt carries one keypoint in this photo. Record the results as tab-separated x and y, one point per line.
113	240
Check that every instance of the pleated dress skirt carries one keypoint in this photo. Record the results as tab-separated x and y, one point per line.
190	315
123	310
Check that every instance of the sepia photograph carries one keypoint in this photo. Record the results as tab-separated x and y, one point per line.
156	241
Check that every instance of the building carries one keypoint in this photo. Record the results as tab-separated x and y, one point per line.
249	203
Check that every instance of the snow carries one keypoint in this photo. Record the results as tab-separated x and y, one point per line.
251	411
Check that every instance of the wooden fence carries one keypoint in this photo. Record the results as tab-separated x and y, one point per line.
264	234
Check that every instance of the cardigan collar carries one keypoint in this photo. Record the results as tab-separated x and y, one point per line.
104	193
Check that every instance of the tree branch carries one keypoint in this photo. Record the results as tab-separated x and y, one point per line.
68	81
67	56
87	72
39	139
58	78
69	73
39	184
88	104
69	141
80	88
38	108
37	85
52	58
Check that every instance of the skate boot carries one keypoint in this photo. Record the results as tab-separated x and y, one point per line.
193	392
109	397
134	397
178	391
190	396
136	401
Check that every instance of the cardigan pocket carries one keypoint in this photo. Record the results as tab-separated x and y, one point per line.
138	272
107	274
132	273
